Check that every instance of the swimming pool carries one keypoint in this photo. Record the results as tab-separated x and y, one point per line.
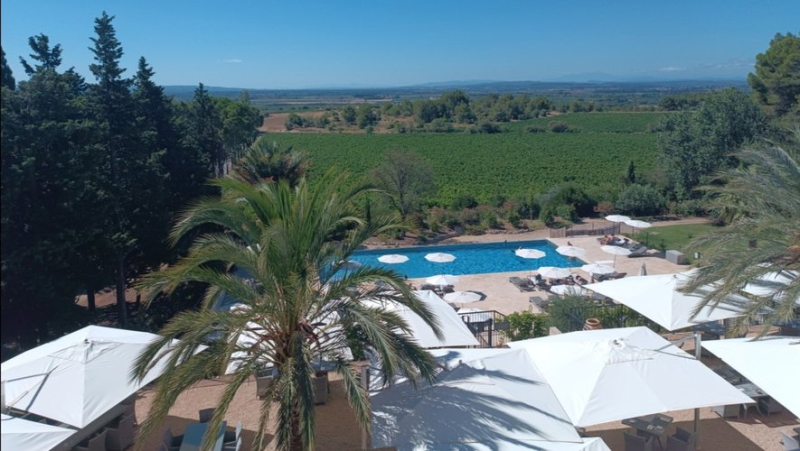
470	258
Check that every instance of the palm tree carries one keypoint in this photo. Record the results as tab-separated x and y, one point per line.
762	242
299	305
263	161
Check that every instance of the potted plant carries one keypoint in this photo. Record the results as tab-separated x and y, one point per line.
321	388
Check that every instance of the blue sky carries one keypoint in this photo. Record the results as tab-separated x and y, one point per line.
282	44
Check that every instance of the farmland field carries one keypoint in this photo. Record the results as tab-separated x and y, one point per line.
611	122
507	163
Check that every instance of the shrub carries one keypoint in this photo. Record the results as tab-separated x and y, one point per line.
604	208
470	216
694	207
475	229
547	215
535	129
524	325
640	200
463	201
559	127
567	212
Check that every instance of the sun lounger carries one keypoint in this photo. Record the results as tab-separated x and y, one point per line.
520	284
638	251
540	303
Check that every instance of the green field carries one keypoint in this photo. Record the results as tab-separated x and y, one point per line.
507	163
611	122
675	237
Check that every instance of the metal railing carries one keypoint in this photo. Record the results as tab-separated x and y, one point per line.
489	327
590	229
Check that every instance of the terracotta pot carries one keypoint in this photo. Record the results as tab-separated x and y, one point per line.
592	324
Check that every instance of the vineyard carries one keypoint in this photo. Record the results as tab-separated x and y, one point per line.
507	163
598	122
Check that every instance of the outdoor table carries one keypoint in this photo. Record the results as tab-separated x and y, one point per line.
193	437
655	425
750	389
711	328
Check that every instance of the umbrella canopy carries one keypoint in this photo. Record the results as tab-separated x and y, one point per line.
643	270
636	224
615	250
30	435
392	259
551	272
462	297
529	253
595	268
483	399
658	297
771	283
569	289
475	314
349	265
440	257
442	279
80	376
452	327
571	251
617	218
611	374
772	363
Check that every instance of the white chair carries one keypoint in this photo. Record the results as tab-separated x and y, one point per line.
790	443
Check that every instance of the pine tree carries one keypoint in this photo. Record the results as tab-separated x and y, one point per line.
112	106
7	76
205	130
49	58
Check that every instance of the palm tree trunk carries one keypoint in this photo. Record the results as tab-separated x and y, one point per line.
121	303
90	301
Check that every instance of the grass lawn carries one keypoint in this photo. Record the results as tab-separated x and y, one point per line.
675	237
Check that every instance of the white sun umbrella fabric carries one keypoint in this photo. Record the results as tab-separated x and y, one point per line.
440	257
551	272
615	250
617	218
608	375
529	253
492	399
80	376
452	327
571	251
569	289
599	269
462	297
770	284
772	363
637	224
442	280
393	259
658	297
21	434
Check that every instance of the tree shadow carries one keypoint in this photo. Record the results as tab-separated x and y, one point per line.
468	405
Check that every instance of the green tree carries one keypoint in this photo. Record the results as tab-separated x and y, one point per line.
48	58
349	115
525	325
239	123
764	238
204	130
6	75
112	104
693	146
630	174
640	200
299	312
406	180
776	81
264	162
47	166
366	116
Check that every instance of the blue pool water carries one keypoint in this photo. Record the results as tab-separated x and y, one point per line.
470	259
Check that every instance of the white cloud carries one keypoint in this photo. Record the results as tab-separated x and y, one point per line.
231	61
671	69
